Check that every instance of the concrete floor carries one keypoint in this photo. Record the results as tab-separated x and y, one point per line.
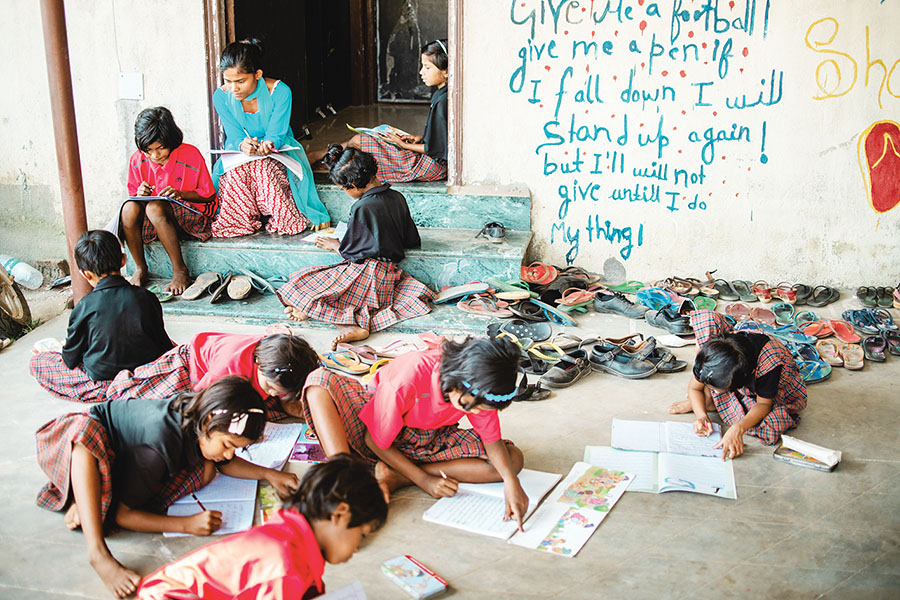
792	532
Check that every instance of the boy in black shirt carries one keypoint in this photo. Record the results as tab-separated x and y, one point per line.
116	327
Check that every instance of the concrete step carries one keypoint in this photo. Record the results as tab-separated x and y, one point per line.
263	309
431	206
447	256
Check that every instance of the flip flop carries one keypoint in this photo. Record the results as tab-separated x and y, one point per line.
522	329
398	347
822	295
726	290
654	298
345	361
374	369
366	354
853	355
866	296
790	334
516	295
568	341
554	357
705	303
239	287
802	318
739	311
819	329
460	291
539	273
160	294
261	284
484	307
844	331
874	347
892	339
554	315
528	311
813	371
830	352
510	285
744	290
784	313
574	296
629	287
200	286
220	289
803	293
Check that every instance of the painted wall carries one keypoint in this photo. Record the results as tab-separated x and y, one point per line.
681	136
162	39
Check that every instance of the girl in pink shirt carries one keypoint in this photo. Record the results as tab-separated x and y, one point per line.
338	503
406	420
164	166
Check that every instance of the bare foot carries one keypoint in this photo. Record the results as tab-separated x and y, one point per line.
121	581
389	480
139	278
295	314
180	280
349	333
680	408
73	519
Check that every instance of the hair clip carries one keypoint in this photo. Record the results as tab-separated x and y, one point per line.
488	396
238	419
278	370
443	47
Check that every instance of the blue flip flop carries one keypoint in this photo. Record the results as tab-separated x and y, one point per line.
554	315
459	291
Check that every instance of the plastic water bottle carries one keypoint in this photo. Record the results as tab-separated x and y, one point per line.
22	273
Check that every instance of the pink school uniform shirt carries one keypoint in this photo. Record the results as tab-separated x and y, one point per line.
408	394
278	560
215	355
185	171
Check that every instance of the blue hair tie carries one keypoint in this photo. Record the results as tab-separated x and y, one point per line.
488	396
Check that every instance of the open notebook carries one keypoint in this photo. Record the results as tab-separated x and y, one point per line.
479	507
658	472
669	436
234	498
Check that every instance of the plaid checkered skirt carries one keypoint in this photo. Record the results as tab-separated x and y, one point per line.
419	445
397	165
167	376
191	223
373	294
54	376
54	453
732	406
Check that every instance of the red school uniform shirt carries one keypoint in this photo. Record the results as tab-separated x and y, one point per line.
280	559
215	355
408	394
185	171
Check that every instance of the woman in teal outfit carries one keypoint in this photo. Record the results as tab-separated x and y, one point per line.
261	181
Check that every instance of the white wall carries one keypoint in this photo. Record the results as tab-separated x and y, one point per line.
800	214
163	39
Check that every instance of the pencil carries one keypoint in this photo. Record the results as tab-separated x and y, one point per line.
197	500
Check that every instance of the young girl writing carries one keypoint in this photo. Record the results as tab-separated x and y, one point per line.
749	379
406	420
276	366
164	166
367	291
256	114
337	505
413	158
130	459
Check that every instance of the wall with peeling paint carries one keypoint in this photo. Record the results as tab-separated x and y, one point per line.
678	137
163	40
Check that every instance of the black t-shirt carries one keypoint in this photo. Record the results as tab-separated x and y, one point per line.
765	386
379	226
149	446
117	326
435	137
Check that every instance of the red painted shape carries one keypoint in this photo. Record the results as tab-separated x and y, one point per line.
683	74
745	51
643	26
880	162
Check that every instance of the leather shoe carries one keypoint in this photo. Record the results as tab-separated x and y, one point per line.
570	368
616	302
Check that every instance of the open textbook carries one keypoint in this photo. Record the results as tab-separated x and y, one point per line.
479	507
234	498
658	472
380	130
337	232
670	436
274	449
115	223
573	510
235	158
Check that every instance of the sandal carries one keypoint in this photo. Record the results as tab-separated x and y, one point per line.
784	313
568	341
787	292
239	287
554	315
539	273
200	286
398	347
853	356
629	287
514	296
346	361
822	295
485	307
460	291
874	347
866	297
366	354
574	296
261	284
160	294
522	329
892	339
762	290
220	290
510	285
803	293
726	290
819	329
738	311
830	352
884	320
744	290
844	331
862	320
761	314
803	317
528	310
813	371
374	369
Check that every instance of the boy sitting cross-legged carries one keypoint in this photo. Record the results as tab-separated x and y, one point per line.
116	326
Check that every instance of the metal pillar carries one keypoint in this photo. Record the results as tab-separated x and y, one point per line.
62	104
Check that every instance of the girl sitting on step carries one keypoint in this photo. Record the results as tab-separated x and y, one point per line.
406	420
749	379
256	112
413	158
124	461
366	291
276	366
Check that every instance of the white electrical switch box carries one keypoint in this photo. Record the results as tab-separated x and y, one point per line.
131	86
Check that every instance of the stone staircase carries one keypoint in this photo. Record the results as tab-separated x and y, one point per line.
450	254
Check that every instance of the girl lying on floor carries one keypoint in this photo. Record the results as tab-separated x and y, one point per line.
338	503
128	460
366	291
406	422
749	379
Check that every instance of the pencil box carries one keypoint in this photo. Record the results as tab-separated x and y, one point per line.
415	578
792	457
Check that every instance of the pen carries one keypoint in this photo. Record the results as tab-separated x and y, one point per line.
197	500
249	137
